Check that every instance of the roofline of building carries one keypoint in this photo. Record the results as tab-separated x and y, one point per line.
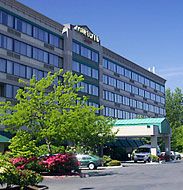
145	70
19	6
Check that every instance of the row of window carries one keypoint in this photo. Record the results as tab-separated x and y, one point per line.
85	52
30	51
132	89
110	96
85	70
30	29
116	113
20	70
131	75
120	114
88	88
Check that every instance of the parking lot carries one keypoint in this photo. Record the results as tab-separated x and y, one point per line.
130	176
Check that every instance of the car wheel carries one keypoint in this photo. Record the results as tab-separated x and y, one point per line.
91	166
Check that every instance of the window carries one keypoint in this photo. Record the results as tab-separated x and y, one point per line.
147	94
111	66
147	82
141	92
94	56
85	52
151	108
86	70
53	59
105	63
128	73
10	67
6	42
9	91
127	87
40	34
153	96
93	90
141	79
75	66
22	48
75	48
139	105
162	100
29	73
95	73
134	90
126	101
146	107
158	98
23	26
152	84
120	84
112	81
40	55
54	40
157	87
134	76
6	19
162	89
120	70
2	65
105	79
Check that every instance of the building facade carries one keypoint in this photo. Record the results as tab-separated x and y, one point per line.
32	44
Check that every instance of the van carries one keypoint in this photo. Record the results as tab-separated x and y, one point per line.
143	153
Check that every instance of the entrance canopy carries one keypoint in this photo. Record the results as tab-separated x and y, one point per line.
142	127
149	127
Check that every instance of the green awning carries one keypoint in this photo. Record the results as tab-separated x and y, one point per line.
4	139
124	142
162	123
132	143
138	142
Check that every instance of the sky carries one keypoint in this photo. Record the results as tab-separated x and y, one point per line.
147	32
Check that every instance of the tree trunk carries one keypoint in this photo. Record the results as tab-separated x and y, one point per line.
49	147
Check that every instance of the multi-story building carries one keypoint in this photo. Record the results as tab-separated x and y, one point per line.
31	43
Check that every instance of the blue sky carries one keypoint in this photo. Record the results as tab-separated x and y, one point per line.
147	32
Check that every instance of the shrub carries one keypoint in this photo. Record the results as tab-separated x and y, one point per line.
106	159
61	163
115	163
24	178
10	175
154	158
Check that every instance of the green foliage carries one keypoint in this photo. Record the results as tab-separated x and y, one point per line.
174	114
22	145
114	163
154	158
43	149
50	113
106	160
10	175
23	178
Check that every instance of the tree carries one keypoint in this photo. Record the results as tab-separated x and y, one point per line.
174	114
56	115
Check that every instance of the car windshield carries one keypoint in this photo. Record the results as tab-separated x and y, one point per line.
142	150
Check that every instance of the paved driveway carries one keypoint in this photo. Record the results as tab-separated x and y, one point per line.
131	177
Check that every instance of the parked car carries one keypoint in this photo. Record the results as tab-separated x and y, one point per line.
143	153
90	161
177	156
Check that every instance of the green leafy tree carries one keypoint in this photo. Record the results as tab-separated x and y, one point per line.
51	110
174	114
22	145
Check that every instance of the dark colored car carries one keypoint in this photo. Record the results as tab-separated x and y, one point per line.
90	161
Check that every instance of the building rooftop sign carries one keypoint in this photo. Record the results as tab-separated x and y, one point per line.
87	33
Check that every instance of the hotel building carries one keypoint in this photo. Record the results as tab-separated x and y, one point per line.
33	44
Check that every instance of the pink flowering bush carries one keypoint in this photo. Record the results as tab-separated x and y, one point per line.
57	163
